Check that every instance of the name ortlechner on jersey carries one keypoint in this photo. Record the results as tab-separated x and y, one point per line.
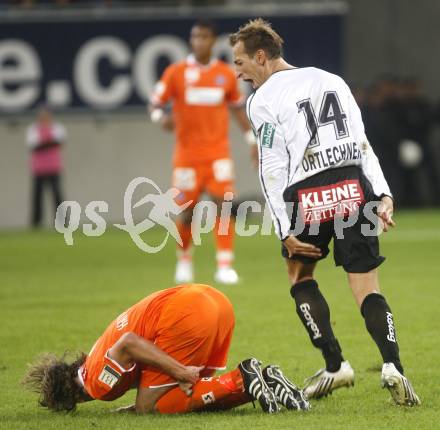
317	160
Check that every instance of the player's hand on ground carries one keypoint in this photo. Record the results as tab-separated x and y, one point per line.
295	247
385	213
122	409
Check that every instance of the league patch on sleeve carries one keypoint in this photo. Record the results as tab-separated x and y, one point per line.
267	135
109	376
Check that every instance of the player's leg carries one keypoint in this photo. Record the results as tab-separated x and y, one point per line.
56	190
314	312
257	383
224	241
184	268
37	200
359	254
377	314
361	267
311	306
220	187
187	180
379	322
235	388
215	393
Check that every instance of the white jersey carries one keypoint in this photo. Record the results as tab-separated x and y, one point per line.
307	121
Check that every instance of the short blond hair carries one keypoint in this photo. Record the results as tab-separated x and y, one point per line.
258	34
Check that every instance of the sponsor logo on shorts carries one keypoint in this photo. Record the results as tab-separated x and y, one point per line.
321	204
208	398
391	336
310	322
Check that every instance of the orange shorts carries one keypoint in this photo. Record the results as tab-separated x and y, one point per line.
215	178
195	328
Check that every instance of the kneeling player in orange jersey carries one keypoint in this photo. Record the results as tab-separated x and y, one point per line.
168	346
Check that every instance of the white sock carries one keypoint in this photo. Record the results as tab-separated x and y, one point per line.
184	254
224	259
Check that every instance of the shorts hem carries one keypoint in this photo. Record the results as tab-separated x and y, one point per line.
303	259
363	269
163	385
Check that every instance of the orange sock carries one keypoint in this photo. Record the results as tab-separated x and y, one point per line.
218	393
224	238
185	234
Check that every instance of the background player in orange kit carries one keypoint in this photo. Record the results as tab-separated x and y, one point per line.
201	89
163	345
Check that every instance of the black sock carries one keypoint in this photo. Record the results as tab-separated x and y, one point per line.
314	312
380	325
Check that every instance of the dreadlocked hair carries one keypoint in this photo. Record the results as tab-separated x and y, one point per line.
54	379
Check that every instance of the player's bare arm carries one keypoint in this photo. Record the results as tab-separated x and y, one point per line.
131	348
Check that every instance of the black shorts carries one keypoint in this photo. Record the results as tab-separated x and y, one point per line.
325	196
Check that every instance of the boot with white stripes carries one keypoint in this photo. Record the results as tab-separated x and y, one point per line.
323	382
256	386
286	392
400	388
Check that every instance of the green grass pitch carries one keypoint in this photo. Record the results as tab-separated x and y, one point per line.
55	297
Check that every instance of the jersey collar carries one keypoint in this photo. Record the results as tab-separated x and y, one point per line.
80	377
191	61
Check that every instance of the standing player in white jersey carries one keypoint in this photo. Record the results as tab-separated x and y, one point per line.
313	152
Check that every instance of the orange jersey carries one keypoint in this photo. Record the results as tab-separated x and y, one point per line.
158	318
200	96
